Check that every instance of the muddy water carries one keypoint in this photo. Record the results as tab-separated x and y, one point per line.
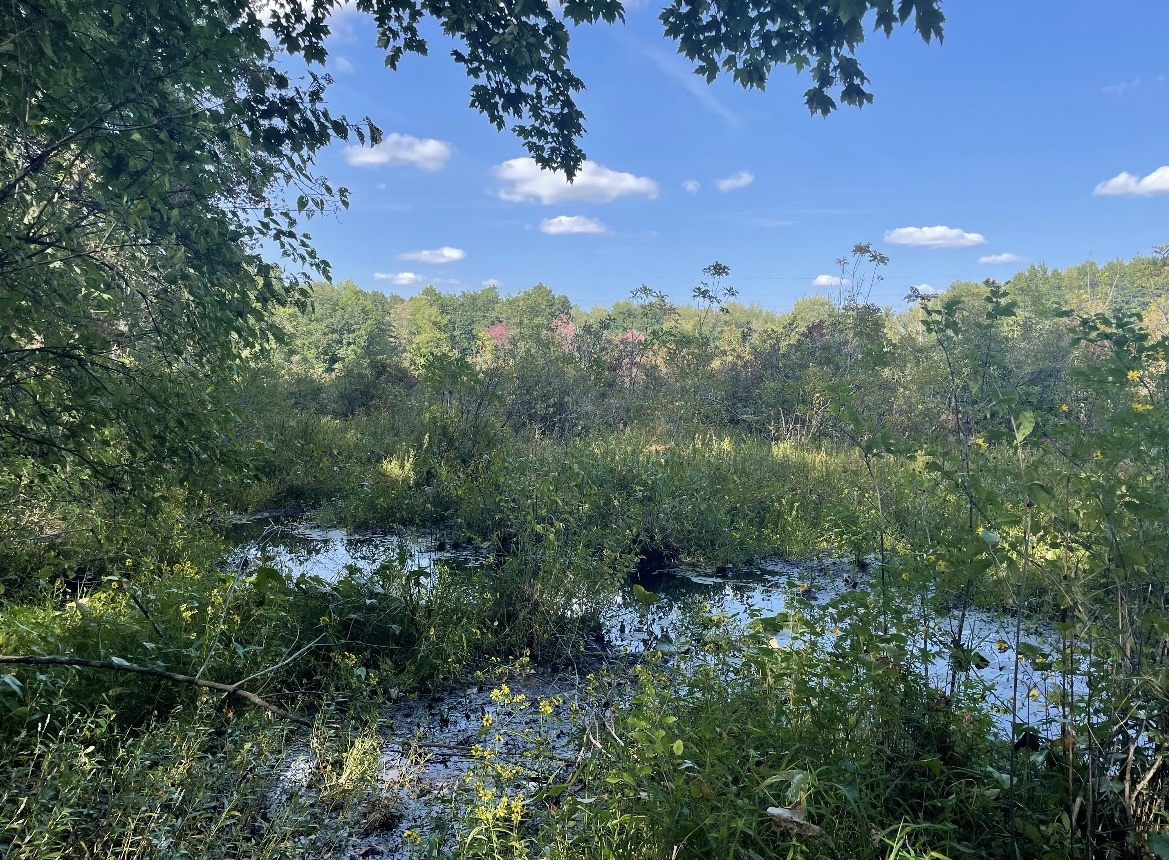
427	760
302	548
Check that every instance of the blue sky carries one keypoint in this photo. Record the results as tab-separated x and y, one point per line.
1038	131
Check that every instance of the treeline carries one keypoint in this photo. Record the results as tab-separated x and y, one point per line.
538	365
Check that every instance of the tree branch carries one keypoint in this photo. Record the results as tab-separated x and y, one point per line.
122	666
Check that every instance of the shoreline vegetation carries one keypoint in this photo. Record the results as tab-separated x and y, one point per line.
999	448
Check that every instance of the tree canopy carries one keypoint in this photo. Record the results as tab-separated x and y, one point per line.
517	52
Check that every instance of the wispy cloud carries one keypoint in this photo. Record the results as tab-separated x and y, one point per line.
1121	88
831	281
924	290
423	153
934	237
771	222
563	225
523	179
338	63
1128	185
691	186
438	256
399	279
676	69
995	259
736	180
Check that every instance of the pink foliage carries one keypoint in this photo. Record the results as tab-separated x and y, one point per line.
498	332
564	331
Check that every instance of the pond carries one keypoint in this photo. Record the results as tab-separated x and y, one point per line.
763	590
426	758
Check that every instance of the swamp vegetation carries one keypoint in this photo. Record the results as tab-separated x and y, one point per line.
996	448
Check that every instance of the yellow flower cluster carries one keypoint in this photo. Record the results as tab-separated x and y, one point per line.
503	695
508	808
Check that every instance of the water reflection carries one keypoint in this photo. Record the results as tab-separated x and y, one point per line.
821	589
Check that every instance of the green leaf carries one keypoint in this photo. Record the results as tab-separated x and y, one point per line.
776	623
1024	424
268	579
1158	844
678	747
11	684
645	598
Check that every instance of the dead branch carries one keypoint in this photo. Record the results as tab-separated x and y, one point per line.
123	666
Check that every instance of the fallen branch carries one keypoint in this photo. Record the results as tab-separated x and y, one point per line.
123	666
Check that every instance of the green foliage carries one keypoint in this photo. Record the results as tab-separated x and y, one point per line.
809	35
140	152
81	786
801	747
988	450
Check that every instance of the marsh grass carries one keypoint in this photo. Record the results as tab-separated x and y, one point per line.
193	784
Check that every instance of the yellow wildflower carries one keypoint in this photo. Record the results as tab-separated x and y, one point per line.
1063	407
1139	406
1134	376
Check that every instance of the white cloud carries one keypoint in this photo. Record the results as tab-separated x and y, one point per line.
438	256
491	282
691	186
1119	89
831	281
423	153
738	180
565	224
523	180
994	259
399	279
268	8
341	64
934	237
924	290
1127	185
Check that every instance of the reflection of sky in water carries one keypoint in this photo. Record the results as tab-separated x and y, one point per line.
766	590
777	586
307	549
